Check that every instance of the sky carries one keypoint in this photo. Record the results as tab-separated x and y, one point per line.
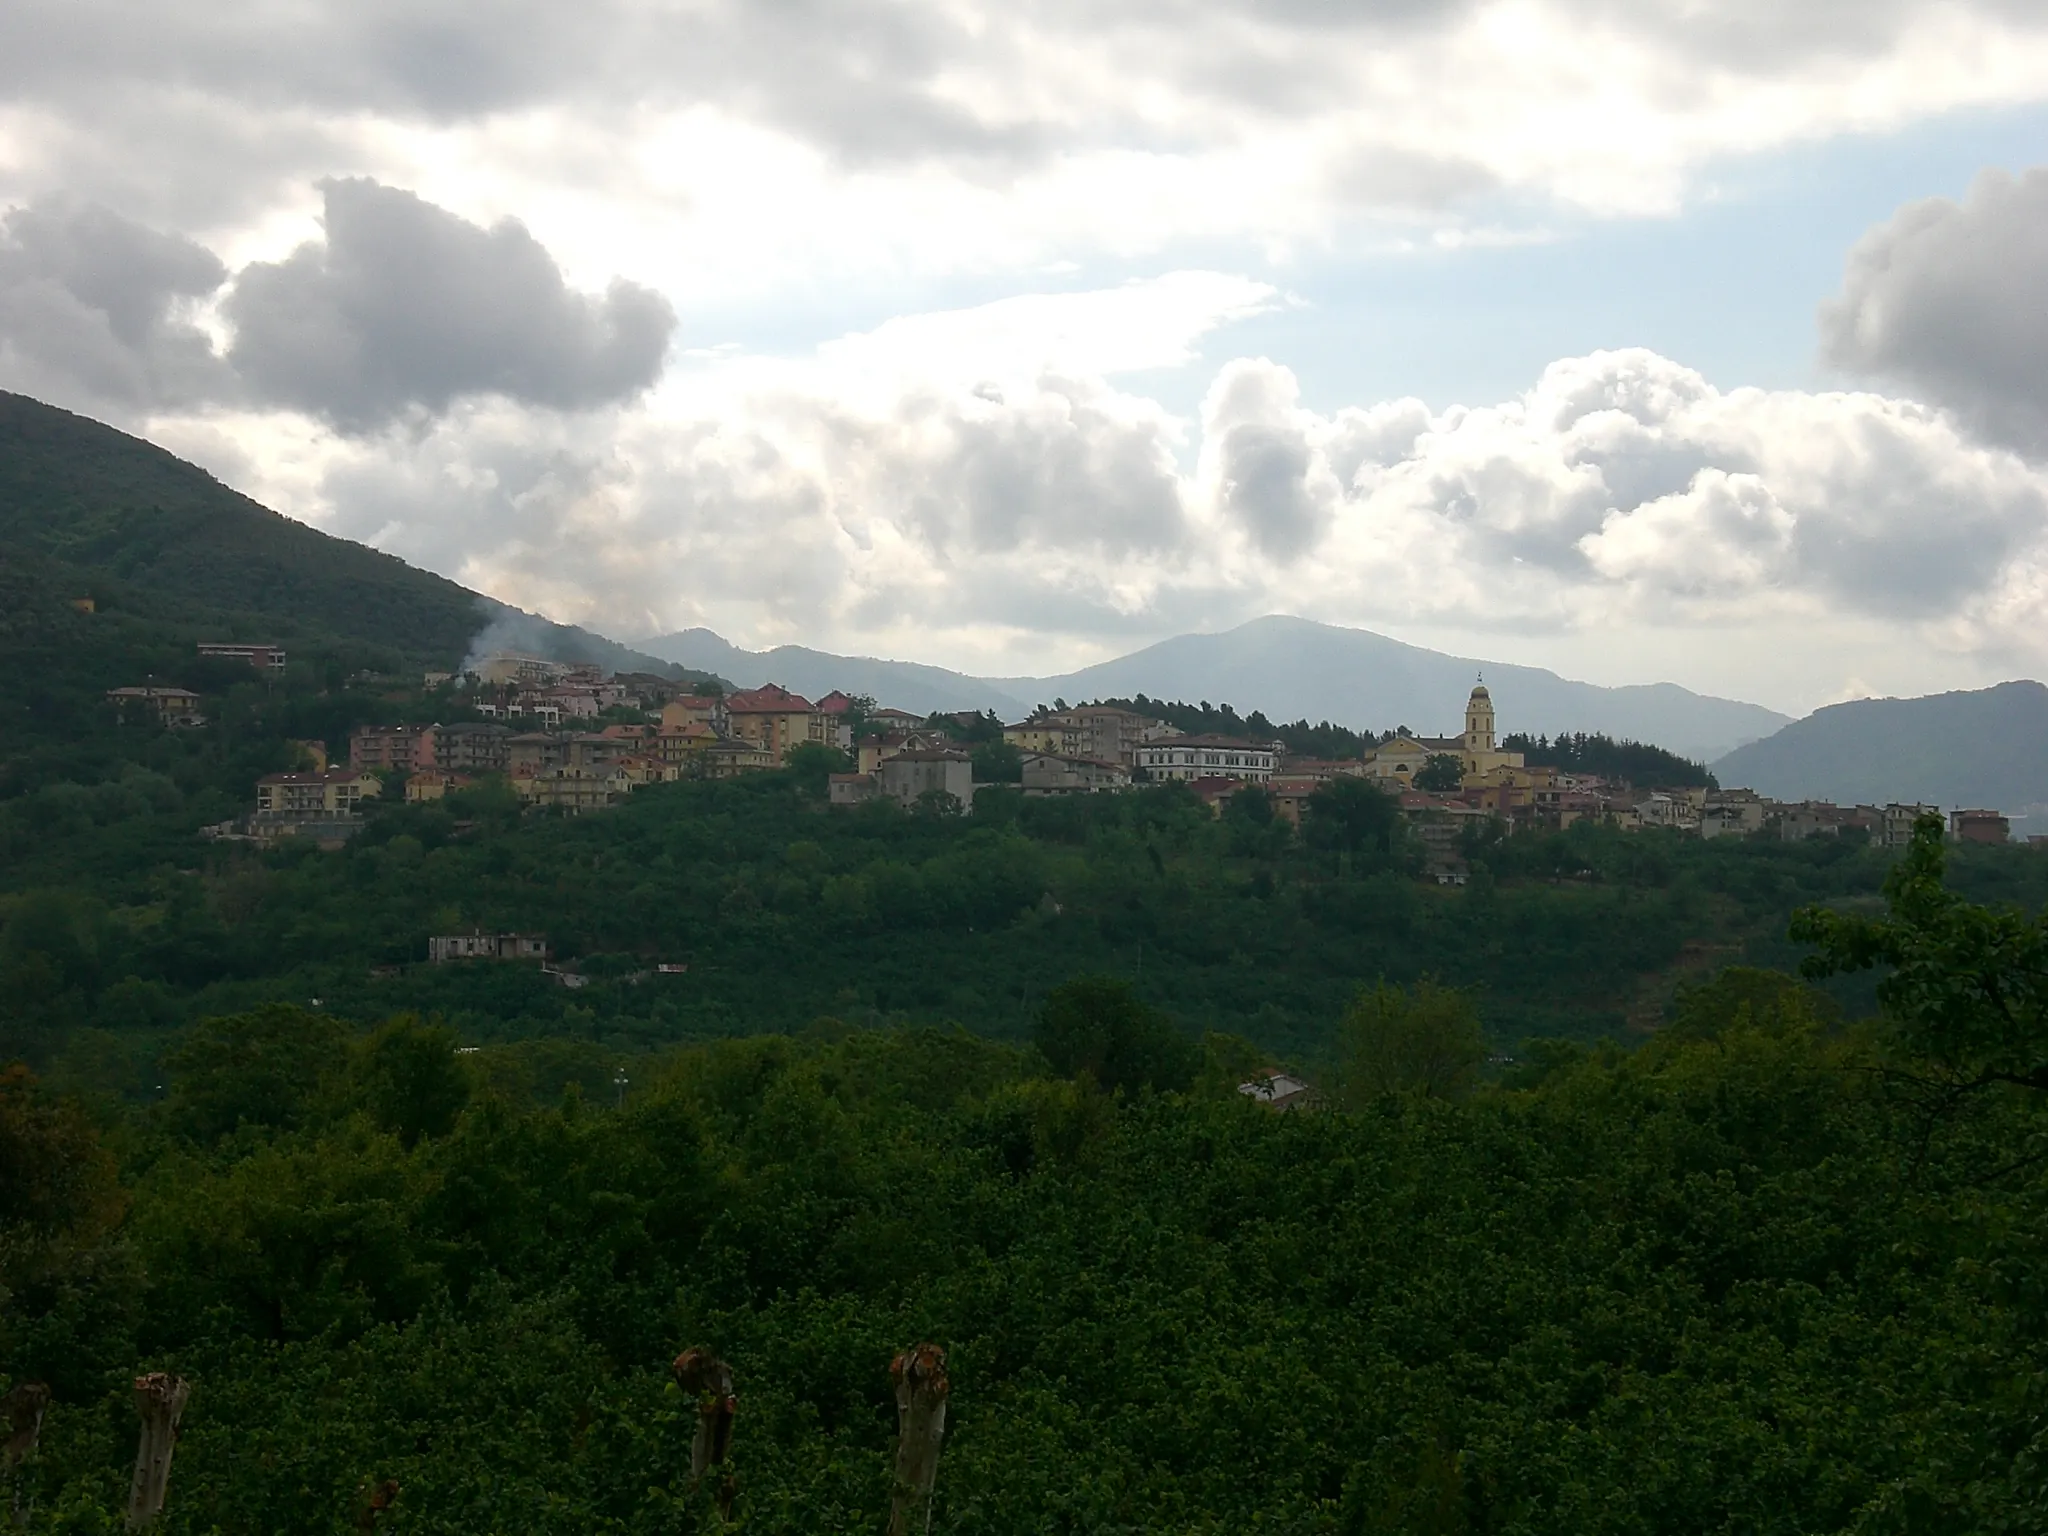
1642	339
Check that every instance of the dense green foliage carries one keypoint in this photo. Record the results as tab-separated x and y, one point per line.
1632	762
1727	1282
117	924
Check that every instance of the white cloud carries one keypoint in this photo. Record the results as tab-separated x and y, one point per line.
741	148
1622	515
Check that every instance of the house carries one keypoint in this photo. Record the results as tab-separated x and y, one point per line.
264	658
432	784
473	748
1278	1090
1291	794
1895	826
176	708
508	668
851	788
1207	757
1046	773
1979	827
908	776
1321	769
479	945
1734	813
775	719
1053	734
874	750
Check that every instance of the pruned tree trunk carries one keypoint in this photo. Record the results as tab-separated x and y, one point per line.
709	1379
160	1399
22	1412
375	1502
921	1390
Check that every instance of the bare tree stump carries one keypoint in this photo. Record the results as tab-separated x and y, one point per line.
709	1379
160	1399
921	1390
375	1501
22	1411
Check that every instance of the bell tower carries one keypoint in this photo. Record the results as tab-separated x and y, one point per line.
1478	722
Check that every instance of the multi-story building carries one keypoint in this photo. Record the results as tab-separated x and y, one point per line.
1896	825
479	945
473	748
433	784
1207	757
1054	734
1104	732
574	789
264	658
329	792
1979	827
776	720
686	709
1046	773
908	776
392	746
177	708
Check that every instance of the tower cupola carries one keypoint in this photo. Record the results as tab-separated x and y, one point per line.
1479	721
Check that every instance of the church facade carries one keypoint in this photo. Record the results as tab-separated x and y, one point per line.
1394	764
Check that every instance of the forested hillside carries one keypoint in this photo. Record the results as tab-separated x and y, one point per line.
169	555
1760	1275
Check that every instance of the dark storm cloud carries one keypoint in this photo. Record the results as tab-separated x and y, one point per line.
1947	299
404	306
89	304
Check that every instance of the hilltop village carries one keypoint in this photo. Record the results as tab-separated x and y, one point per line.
574	739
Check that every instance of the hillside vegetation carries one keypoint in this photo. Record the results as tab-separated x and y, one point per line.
1761	1276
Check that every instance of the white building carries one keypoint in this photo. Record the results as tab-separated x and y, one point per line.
1207	757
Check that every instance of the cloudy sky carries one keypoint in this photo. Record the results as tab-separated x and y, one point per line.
1642	340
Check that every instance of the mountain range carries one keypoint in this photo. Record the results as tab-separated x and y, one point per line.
1984	747
1290	668
169	555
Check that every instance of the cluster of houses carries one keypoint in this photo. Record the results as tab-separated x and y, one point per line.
539	729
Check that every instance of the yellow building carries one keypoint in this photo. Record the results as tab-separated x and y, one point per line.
1057	734
1394	764
1481	757
329	792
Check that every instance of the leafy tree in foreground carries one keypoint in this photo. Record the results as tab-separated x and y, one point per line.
1440	773
1426	1041
1968	984
1098	1025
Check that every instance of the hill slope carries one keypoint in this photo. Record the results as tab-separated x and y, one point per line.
1294	668
1290	668
111	515
901	684
1986	747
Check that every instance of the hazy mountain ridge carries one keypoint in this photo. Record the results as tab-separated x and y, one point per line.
1290	668
1982	747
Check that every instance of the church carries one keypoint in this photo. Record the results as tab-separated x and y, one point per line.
1395	763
